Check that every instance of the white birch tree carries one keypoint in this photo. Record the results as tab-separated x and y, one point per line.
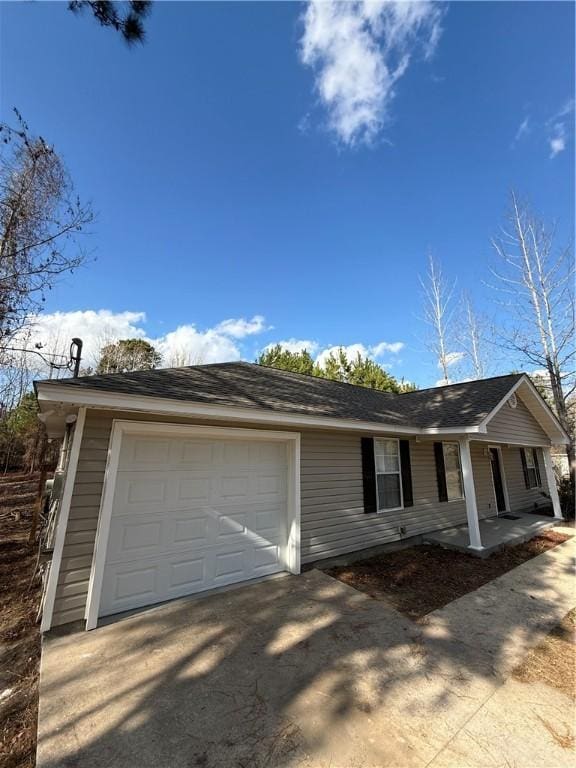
472	336
437	295
535	280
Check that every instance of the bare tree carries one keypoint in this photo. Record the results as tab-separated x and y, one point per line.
437	294
40	219
181	357
471	336
535	279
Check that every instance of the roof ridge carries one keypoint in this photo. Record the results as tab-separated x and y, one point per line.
462	383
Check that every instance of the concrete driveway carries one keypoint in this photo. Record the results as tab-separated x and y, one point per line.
302	671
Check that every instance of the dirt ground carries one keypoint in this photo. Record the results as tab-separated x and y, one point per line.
553	661
422	579
19	632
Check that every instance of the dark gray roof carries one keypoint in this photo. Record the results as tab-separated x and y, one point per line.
247	385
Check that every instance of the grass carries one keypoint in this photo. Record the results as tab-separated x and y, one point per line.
553	662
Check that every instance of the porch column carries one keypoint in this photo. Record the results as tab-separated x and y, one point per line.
551	480
470	496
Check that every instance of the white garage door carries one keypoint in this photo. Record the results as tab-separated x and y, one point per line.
191	514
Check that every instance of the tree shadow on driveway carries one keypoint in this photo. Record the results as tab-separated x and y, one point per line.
302	670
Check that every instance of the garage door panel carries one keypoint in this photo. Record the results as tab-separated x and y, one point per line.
188	572
189	530
190	514
135	536
146	491
137	492
266	522
129	586
267	556
275	454
192	453
232	524
140	536
157	579
138	452
193	486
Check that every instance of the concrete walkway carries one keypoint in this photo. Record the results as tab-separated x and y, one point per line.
495	533
306	671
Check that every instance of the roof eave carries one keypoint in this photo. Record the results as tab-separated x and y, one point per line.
53	393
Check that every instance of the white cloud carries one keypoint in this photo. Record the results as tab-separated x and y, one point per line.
185	345
354	349
557	142
452	358
446	382
238	328
385	346
565	111
295	345
558	129
189	346
95	327
351	351
359	51
523	130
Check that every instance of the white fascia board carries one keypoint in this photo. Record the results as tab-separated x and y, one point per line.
524	442
452	430
563	437
118	401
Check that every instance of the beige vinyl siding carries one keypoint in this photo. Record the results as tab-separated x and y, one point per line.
74	574
333	517
523	499
333	520
517	425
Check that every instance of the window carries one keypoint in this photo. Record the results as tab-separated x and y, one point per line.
532	473
388	480
453	471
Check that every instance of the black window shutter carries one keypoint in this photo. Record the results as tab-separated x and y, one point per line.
440	472
525	468
406	473
537	466
368	474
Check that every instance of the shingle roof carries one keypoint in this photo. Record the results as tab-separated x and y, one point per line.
248	385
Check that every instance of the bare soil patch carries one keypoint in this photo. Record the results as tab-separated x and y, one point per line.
422	579
553	662
19	633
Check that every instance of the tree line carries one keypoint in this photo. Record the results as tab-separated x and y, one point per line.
336	366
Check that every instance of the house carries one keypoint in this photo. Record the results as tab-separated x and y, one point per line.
181	480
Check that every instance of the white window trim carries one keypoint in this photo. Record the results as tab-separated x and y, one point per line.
399	473
529	451
121	428
504	481
457	444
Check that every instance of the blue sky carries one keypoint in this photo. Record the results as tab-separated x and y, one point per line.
230	182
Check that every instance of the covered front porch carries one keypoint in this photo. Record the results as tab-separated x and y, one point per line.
499	510
495	532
